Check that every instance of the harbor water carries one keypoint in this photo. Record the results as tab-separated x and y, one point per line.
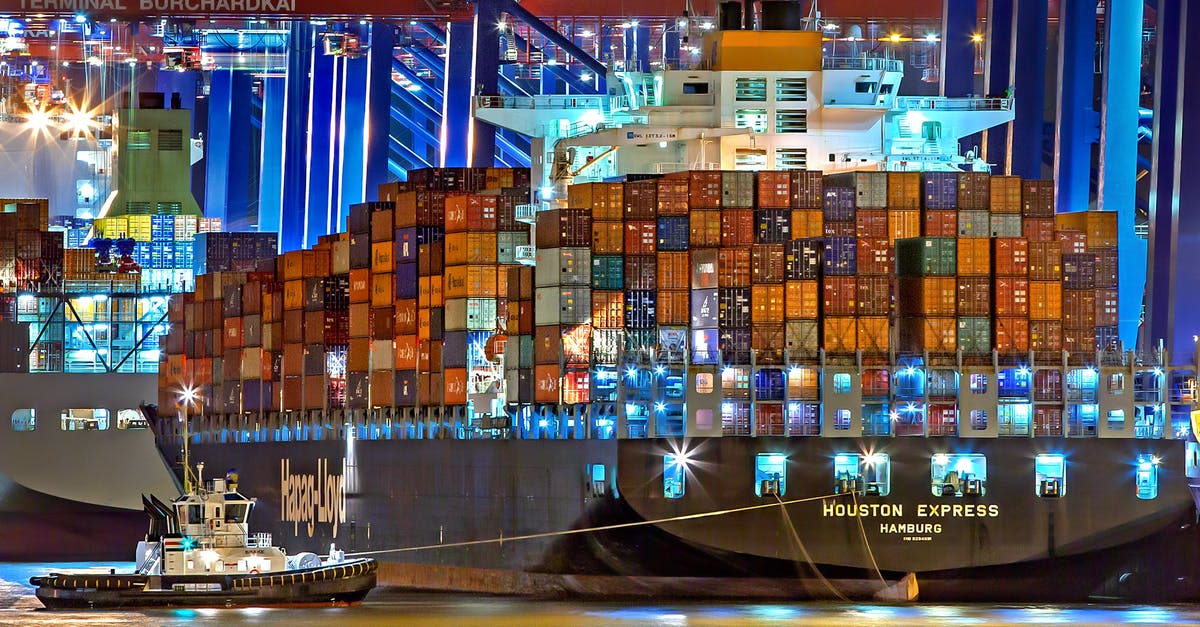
19	606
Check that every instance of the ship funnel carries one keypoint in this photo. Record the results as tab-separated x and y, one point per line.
781	15
729	16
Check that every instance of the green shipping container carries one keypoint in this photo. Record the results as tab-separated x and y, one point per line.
481	314
506	245
974	335
926	256
608	272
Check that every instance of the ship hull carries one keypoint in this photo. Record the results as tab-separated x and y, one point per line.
486	516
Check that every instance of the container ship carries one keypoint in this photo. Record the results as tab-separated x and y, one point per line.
700	379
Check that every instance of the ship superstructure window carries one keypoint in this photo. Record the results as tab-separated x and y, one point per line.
750	89
791	121
84	419
1050	475
841	420
754	119
237	512
770	474
170	139
866	87
791	89
877	474
24	419
958	475
674	476
705	382
1146	476
695	88
749	159
791	158
139	139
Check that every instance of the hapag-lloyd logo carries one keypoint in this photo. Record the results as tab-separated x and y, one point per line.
312	499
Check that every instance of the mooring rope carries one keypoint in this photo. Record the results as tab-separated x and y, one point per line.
551	534
808	558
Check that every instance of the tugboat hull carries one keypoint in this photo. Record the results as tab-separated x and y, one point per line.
340	584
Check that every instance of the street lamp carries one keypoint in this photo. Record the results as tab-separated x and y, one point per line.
188	396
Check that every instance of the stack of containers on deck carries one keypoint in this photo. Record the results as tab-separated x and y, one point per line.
673	259
735	268
471	317
605	205
1089	266
804	257
927	294
1010	267
1045	269
704	243
562	311
974	263
839	283
31	259
768	270
422	276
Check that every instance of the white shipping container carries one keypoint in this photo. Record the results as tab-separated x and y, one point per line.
562	305
456	314
340	257
563	266
383	354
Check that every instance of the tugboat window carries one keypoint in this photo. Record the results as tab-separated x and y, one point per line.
195	514
1050	476
1146	477
770	474
958	475
24	419
236	512
673	476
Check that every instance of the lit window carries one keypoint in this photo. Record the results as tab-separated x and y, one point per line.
24	419
841	383
847	473
865	474
958	475
131	419
1146	477
673	476
705	382
979	419
704	419
695	88
791	121
841	419
755	119
84	419
750	89
1116	419
979	383
866	87
877	474
770	474
1050	475
1116	383
791	158
138	140
791	89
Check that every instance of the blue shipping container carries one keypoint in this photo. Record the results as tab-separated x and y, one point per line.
772	226
841	256
768	385
406	244
639	309
454	349
406	280
1079	271
430	234
406	388
673	233
839	203
940	190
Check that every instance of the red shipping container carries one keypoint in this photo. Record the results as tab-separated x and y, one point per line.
1038	229
1010	256
1045	261
641	272
840	295
641	237
1012	296
1072	241
1079	340
940	223
974	296
704	189
705	228
470	212
733	268
545	384
641	200
874	296
672	307
455	386
1079	309
737	227
871	223
672	197
875	256
807	190
767	263
674	271
768	419
562	227
834	228
1012	334
576	387
1107	308
1106	268
774	189
406	352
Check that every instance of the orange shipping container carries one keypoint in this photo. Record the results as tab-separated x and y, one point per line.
455	382
927	296
1045	300
641	237
360	286
904	190
358	355
471	281
406	352
840	335
674	271
382	259
767	303
672	307
545	384
803	300
423	322
974	256
606	200
1098	227
1006	194
873	334
608	310
733	267
1011	256
808	223
1012	333
737	227
928	334
1045	261
474	247
382	287
705	228
608	237
293	295
774	189
672	197
903	225
405	317
360	320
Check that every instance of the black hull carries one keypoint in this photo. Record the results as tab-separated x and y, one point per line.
329	585
40	527
421	495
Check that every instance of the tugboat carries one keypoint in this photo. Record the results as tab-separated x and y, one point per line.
199	553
